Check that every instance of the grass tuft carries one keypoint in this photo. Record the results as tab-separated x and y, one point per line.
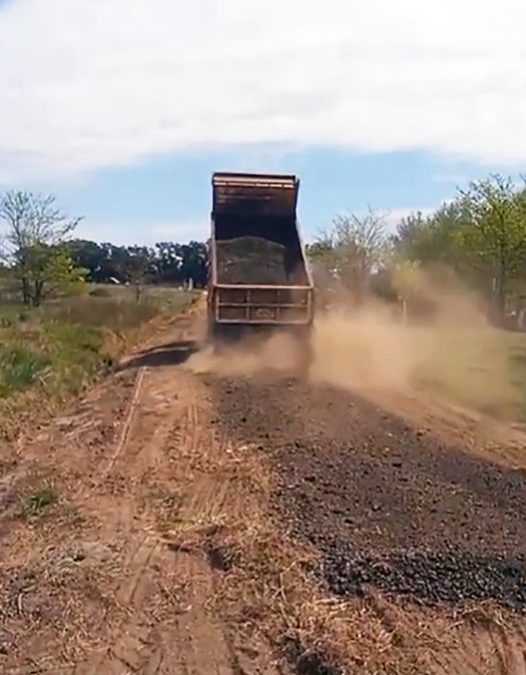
19	367
40	501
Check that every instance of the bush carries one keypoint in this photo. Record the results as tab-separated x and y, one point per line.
18	368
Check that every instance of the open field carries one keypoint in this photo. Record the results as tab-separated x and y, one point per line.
53	351
199	514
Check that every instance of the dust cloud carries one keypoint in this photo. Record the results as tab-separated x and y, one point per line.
365	349
374	348
452	351
279	353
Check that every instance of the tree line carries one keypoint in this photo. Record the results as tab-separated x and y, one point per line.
163	263
479	237
42	257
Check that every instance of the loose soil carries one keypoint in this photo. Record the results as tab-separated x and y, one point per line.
251	260
210	524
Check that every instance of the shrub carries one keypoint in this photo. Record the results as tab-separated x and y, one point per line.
18	368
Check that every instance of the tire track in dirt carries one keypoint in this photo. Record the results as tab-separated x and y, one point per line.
144	606
141	552
185	637
137	644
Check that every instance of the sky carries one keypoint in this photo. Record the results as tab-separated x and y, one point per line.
124	108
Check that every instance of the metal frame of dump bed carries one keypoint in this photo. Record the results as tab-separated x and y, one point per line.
233	188
277	305
271	200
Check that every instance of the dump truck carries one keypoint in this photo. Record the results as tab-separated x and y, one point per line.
258	273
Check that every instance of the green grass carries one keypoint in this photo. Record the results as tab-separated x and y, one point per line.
19	367
39	501
61	345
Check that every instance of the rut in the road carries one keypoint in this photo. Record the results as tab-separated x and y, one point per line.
165	556
113	591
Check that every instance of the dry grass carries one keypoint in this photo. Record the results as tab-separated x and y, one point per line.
267	589
271	589
49	354
482	369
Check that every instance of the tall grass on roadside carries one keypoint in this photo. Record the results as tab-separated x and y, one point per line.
19	368
63	344
109	313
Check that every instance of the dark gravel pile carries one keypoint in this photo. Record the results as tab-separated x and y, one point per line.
429	577
387	505
251	260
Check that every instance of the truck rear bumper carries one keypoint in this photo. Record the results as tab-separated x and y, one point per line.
262	305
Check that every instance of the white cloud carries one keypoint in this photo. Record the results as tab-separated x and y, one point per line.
459	179
87	84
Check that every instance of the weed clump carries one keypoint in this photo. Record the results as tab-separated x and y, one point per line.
40	500
19	368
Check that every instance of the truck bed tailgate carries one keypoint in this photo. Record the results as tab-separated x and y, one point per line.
263	304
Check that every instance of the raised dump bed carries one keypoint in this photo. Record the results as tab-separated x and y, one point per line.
258	271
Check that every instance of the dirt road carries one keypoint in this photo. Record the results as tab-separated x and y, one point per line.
176	521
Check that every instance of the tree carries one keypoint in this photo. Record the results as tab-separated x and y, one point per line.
60	275
137	266
89	256
36	229
352	250
497	236
437	239
166	262
193	264
406	280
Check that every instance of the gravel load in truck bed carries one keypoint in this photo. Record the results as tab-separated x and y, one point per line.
251	260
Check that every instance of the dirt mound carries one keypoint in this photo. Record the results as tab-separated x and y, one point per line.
251	260
447	576
388	505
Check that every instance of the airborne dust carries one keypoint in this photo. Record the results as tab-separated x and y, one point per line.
453	352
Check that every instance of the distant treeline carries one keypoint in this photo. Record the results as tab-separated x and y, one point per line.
165	262
479	238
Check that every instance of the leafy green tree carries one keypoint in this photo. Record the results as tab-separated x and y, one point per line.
137	265
437	239
61	275
88	255
497	236
481	236
35	230
166	262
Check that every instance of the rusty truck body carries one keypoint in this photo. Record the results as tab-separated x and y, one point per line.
261	206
